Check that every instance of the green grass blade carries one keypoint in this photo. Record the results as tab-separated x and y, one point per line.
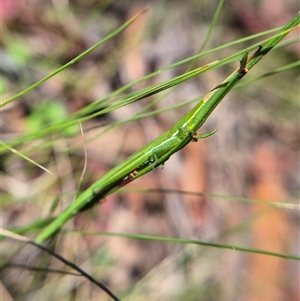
192	242
76	59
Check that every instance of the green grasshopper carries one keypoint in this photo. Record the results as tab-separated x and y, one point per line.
154	154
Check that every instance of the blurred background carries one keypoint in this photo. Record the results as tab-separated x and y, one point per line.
254	155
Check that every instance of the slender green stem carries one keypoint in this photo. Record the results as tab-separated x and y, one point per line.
194	242
76	59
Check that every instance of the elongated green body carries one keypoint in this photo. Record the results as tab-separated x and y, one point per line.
154	154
